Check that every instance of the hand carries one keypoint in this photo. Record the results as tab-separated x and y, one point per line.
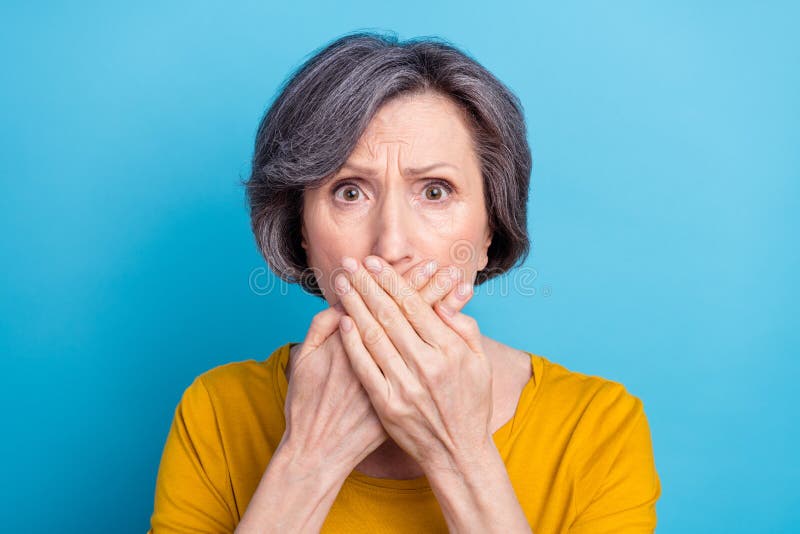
423	367
329	417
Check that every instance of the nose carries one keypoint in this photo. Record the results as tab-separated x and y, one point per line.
393	226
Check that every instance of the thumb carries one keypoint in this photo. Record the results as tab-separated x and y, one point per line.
322	326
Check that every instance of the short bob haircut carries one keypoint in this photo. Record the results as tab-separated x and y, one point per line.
321	111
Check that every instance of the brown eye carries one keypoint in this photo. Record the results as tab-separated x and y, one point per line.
436	191
347	192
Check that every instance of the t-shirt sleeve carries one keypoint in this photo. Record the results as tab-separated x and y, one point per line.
617	473
193	490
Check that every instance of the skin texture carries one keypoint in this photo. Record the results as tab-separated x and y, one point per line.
330	423
374	207
402	217
395	381
323	386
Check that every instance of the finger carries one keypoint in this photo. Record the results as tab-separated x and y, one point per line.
464	325
364	366
371	331
453	300
420	275
322	326
407	301
437	286
383	308
441	284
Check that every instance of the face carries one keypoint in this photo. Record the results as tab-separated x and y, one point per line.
411	190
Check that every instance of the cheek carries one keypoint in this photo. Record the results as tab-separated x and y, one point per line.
452	235
463	229
446	222
327	242
465	242
323	233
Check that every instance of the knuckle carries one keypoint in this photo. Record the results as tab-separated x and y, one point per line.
390	411
325	315
471	324
322	321
395	410
411	304
435	373
387	318
414	394
416	278
373	334
314	339
317	321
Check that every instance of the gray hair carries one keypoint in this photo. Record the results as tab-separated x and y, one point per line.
321	111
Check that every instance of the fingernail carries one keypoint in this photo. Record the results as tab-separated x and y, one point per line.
342	284
462	290
430	268
372	264
346	323
350	264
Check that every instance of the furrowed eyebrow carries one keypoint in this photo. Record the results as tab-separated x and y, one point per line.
409	171
428	168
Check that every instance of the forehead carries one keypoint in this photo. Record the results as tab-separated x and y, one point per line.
422	128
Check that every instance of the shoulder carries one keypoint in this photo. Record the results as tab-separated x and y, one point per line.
595	393
237	372
237	381
605	423
556	384
607	447
589	415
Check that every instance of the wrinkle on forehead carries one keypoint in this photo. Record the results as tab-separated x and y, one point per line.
436	130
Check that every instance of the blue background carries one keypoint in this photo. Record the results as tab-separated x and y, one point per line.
663	214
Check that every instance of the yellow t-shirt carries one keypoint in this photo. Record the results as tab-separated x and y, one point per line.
577	450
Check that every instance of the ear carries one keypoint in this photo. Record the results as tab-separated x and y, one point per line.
303	241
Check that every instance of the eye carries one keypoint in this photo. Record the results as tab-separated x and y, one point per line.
349	192
437	189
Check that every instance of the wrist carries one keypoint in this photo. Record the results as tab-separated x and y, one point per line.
470	466
306	464
475	493
294	495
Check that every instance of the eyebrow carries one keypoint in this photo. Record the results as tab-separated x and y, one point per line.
409	171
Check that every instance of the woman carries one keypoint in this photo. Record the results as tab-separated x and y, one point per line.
389	178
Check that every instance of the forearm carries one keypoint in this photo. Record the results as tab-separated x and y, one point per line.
476	495
291	497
